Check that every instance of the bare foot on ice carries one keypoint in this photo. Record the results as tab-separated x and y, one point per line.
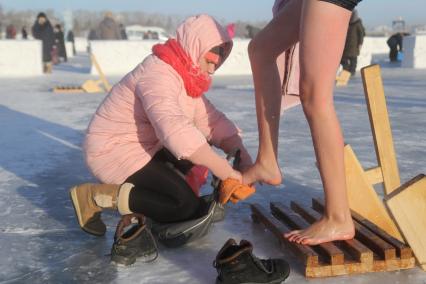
262	173
322	231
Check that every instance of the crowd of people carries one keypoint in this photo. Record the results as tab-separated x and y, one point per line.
54	51
53	42
12	33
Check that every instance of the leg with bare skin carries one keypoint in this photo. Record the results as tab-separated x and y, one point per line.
322	36
280	34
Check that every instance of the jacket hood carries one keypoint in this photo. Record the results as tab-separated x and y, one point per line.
198	34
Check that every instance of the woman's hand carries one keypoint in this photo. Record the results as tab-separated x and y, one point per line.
236	175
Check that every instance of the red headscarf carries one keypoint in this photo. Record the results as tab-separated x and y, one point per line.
196	82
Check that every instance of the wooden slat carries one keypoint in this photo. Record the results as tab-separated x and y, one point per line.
331	253
362	197
394	265
372	241
402	250
374	175
65	89
379	246
408	207
380	125
305	253
360	252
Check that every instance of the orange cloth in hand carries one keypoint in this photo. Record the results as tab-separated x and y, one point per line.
234	191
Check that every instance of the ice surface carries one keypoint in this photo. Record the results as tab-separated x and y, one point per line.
40	159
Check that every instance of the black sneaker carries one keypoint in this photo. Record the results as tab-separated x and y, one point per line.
236	264
134	243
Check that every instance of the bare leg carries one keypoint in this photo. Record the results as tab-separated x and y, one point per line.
322	37
280	34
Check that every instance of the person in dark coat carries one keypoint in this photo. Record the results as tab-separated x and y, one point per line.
42	30
354	40
92	35
123	32
252	31
24	33
108	28
395	46
70	38
60	43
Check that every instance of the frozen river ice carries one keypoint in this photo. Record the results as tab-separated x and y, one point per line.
40	159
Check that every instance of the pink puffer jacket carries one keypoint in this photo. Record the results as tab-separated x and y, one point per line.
149	109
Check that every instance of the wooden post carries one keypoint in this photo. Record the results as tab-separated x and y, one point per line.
380	126
101	74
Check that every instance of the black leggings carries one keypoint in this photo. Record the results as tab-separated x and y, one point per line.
160	193
347	4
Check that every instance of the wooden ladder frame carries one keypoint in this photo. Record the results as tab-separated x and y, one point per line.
404	202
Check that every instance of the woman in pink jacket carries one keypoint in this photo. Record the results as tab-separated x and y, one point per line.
154	125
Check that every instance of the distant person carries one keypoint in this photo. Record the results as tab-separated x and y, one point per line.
42	30
354	40
24	32
395	45
252	31
148	35
108	28
123	32
92	35
70	38
10	32
230	28
60	42
154	35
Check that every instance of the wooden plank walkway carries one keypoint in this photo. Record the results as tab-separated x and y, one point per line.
372	249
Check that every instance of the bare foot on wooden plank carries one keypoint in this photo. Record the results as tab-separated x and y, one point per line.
322	231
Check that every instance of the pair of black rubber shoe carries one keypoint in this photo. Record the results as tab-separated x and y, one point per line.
236	264
133	240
